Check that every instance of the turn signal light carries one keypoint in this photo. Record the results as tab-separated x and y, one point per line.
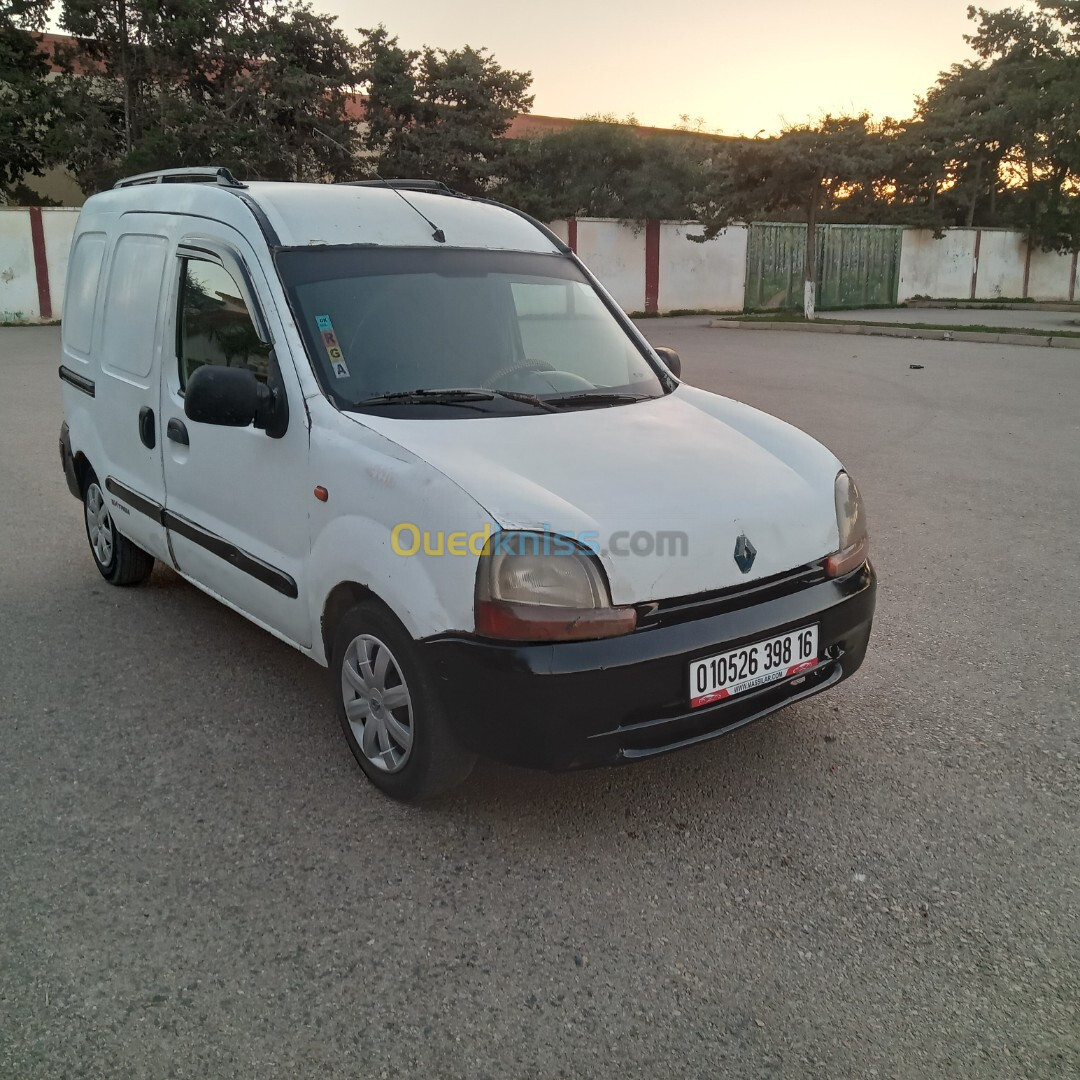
542	622
851	558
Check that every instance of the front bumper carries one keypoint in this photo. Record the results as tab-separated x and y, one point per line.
574	704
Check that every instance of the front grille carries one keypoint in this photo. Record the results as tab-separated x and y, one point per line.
703	605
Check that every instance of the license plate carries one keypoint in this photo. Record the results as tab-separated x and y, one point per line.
749	666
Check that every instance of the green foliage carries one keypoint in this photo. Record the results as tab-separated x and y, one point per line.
810	172
28	103
602	168
1001	135
244	85
438	113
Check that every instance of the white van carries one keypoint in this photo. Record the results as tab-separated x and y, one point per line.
409	433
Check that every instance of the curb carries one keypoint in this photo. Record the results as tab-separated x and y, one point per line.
991	305
875	330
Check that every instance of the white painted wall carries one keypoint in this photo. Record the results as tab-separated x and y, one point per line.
705	277
561	229
59	227
1049	278
615	252
18	280
701	277
940	269
1001	265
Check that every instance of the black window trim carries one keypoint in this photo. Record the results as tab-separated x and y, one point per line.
200	249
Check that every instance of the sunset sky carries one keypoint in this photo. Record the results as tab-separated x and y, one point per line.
741	66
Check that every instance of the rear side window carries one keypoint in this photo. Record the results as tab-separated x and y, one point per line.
215	324
131	304
80	301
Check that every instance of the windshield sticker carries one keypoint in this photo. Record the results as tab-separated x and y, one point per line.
333	349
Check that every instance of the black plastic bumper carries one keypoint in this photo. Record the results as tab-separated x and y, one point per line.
576	704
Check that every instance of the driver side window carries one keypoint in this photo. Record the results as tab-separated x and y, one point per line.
215	326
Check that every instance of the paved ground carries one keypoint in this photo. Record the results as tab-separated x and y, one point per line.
1031	320
884	882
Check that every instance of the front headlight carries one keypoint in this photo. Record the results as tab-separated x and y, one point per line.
539	587
851	524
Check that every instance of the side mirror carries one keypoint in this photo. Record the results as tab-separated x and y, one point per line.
233	397
671	360
222	395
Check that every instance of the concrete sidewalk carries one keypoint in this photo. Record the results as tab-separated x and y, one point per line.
1050	321
1037	328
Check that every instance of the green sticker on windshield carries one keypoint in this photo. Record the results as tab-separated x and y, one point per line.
333	349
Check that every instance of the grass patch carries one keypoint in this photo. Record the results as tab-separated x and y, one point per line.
966	301
679	311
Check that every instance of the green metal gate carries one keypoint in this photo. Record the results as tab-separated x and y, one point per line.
857	266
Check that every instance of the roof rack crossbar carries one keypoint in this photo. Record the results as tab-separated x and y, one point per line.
208	174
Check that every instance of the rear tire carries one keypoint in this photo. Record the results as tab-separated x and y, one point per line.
392	718
119	561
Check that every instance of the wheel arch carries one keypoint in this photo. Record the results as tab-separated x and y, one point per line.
341	598
81	464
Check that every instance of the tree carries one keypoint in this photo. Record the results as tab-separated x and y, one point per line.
240	84
437	113
604	168
811	172
28	103
1003	131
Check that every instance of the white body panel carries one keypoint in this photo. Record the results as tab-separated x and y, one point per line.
691	462
688	463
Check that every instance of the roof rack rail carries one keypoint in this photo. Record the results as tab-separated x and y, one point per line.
208	174
436	187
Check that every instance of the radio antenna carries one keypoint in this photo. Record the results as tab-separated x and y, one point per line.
436	233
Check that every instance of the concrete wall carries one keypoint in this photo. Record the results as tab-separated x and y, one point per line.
982	264
1001	267
939	269
18	281
652	267
34	247
701	277
615	252
1049	275
684	275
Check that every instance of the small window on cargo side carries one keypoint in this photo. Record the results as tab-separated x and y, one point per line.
215	325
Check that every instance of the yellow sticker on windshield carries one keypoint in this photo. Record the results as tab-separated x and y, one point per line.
333	349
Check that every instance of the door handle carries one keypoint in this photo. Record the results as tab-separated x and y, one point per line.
146	427
177	431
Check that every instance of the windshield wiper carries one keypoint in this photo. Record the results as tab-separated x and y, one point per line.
429	397
452	397
529	399
590	398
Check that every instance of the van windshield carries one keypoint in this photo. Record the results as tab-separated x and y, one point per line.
405	331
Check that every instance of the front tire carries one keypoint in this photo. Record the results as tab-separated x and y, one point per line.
392	718
119	561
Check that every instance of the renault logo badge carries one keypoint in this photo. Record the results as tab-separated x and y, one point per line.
745	553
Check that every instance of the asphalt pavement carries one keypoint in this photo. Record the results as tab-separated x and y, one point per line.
883	881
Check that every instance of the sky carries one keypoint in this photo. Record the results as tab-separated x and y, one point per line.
741	66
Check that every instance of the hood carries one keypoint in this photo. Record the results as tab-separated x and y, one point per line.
661	489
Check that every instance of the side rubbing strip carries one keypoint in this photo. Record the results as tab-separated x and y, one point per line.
136	501
80	382
249	564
